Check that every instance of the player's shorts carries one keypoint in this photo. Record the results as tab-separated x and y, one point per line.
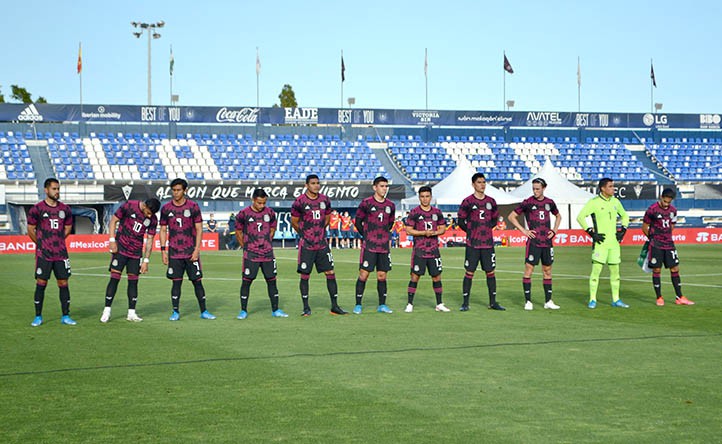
251	267
534	254
379	261
607	254
657	258
419	265
322	259
346	234
334	232
176	267
474	256
120	261
43	268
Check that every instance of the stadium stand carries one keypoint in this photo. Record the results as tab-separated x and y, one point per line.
690	159
16	163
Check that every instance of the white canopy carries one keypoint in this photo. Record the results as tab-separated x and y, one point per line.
457	186
558	187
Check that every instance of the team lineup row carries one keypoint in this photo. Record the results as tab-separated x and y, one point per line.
135	224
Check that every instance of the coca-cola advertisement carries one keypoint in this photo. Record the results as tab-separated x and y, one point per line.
237	115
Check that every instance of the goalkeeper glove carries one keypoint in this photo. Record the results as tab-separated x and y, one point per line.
620	234
597	238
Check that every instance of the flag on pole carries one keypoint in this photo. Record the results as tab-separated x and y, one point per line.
426	61
172	60
579	72
80	58
651	75
343	70
258	63
507	66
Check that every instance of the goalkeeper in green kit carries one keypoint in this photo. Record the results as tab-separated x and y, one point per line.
604	210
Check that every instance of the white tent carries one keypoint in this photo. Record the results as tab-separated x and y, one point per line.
564	193
457	186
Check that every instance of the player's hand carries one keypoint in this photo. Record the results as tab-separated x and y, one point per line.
113	247
143	267
551	234
530	234
597	238
196	254
620	234
164	257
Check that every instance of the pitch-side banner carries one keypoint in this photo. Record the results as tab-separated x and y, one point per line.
249	115
335	191
564	238
87	243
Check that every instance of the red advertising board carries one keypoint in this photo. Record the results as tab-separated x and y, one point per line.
86	243
514	238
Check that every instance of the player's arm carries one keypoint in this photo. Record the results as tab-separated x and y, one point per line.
113	228
441	228
625	221
147	249
295	220
163	236
461	216
33	233
240	238
411	231
557	223
514	219
199	241
645	229
586	210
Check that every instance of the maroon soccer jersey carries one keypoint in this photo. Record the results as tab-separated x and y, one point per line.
480	216
50	223
426	246
133	228
374	220
312	220
538	218
256	227
661	222
181	221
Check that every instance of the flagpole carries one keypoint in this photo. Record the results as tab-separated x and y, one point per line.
80	76
426	75
258	77
172	61
503	103
651	87
579	85
342	77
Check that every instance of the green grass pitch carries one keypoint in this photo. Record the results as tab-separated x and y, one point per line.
647	374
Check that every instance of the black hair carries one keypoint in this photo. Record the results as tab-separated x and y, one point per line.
477	176
259	192
153	204
603	182
181	182
311	176
49	181
669	192
380	179
424	189
540	181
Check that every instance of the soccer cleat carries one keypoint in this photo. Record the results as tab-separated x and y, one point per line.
619	304
133	317
242	315
306	312
409	308
496	306
336	310
550	305
38	321
660	301
592	304
683	301
279	314
528	306
464	307
67	320
383	308
105	317
357	309
174	316
442	308
207	315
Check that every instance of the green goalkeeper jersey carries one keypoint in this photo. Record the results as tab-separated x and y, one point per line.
604	212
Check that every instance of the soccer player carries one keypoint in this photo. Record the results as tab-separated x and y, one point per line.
181	232
49	223
538	210
604	210
477	217
255	226
334	229
657	225
310	215
426	224
374	219
133	223
345	230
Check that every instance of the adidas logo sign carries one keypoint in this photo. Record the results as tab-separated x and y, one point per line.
30	114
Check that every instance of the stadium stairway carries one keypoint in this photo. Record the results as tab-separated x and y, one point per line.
381	151
42	165
645	157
